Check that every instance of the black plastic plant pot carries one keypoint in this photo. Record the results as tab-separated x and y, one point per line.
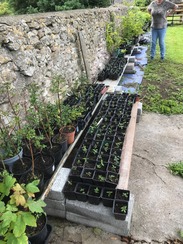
61	139
40	235
78	162
112	179
101	165
46	163
87	175
120	209
94	194
81	192
123	195
75	173
89	164
108	196
113	168
56	152
21	167
69	189
115	159
99	178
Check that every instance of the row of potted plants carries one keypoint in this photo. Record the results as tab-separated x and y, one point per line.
96	163
34	130
42	132
113	68
117	199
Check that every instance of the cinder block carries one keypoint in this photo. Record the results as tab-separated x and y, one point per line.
98	216
54	204
129	66
131	59
57	187
55	212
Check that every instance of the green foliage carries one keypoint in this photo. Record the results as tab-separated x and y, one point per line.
176	168
33	6
70	4
5	8
113	37
20	211
129	26
132	24
161	90
123	209
142	3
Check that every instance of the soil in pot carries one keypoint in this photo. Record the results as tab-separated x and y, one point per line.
81	192
113	168
69	189
112	179
108	196
99	178
55	151
94	194
75	173
120	209
123	195
60	139
21	167
87	175
45	163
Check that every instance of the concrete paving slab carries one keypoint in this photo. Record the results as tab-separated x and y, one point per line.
84	212
122	229
158	207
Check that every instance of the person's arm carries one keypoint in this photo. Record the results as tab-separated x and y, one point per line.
171	11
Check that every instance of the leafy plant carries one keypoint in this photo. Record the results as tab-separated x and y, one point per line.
132	24
82	190
113	36
96	190
123	209
109	193
176	168
5	8
101	178
20	211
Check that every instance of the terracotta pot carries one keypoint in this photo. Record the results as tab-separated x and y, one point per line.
69	132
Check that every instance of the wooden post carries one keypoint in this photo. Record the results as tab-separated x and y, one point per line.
84	55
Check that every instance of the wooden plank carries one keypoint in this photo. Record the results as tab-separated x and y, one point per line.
84	53
126	154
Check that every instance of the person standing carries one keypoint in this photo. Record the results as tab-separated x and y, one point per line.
159	10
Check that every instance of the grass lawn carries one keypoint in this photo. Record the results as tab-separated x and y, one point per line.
162	87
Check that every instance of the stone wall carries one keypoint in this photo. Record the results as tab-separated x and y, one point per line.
36	47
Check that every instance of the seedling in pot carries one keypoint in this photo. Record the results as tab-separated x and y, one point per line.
109	193
101	178
123	209
96	190
82	191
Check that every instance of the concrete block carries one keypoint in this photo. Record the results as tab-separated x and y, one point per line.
55	212
122	229
130	71
55	192
54	204
131	59
129	66
98	216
